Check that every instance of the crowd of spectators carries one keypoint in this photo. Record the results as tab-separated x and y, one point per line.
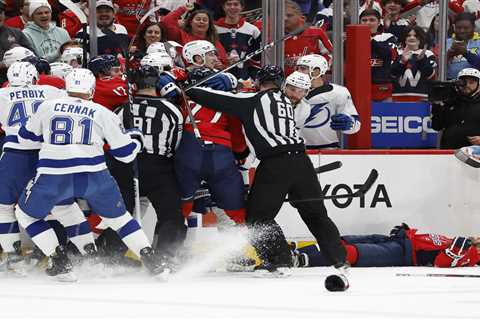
404	34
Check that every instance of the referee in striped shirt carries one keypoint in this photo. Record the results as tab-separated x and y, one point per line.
284	169
161	123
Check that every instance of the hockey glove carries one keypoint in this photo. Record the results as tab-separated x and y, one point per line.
458	249
469	155
223	82
167	87
137	135
341	122
399	230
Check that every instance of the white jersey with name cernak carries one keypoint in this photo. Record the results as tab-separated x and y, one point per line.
17	105
73	132
326	101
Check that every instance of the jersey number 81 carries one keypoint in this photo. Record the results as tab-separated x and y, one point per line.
62	130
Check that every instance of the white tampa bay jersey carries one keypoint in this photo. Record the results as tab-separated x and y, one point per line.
302	111
326	101
17	105
73	132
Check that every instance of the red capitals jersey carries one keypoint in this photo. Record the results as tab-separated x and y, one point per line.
15	22
69	21
110	92
46	80
312	40
128	12
217	127
438	244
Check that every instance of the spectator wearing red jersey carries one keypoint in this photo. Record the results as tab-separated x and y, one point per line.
129	12
312	40
414	67
69	21
198	26
22	19
383	46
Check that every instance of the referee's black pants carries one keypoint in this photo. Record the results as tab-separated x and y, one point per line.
159	184
276	177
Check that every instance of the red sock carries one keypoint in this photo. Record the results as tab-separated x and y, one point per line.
237	215
187	208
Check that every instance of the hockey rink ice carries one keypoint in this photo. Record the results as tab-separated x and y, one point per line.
375	293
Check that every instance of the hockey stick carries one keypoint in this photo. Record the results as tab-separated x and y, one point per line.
438	275
83	20
372	177
249	56
329	167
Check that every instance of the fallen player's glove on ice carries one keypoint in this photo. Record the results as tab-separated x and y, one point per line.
469	155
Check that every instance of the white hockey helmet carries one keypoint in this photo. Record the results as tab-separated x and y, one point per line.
16	54
299	80
22	74
197	48
80	81
469	72
60	69
72	54
159	60
156	47
314	61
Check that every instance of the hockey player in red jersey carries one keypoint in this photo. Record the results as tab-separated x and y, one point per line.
110	91
312	40
403	247
210	157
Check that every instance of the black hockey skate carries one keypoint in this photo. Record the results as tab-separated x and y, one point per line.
60	266
15	262
157	266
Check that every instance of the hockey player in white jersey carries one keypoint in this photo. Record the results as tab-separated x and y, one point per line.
296	87
332	108
18	163
72	164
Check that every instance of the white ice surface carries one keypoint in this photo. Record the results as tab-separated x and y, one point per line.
375	293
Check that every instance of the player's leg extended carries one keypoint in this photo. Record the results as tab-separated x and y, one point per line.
265	200
76	226
314	213
104	196
36	202
188	170
226	183
16	169
164	194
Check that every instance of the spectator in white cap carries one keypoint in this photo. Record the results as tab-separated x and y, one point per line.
45	36
112	38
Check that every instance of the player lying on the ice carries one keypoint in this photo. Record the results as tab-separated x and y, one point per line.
403	247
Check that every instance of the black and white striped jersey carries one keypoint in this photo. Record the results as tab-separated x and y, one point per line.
161	123
268	118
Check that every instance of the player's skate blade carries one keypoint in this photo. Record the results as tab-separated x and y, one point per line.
60	267
157	266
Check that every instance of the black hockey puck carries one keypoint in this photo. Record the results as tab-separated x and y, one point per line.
336	282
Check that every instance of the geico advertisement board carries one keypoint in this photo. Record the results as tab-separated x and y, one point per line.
435	193
402	125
